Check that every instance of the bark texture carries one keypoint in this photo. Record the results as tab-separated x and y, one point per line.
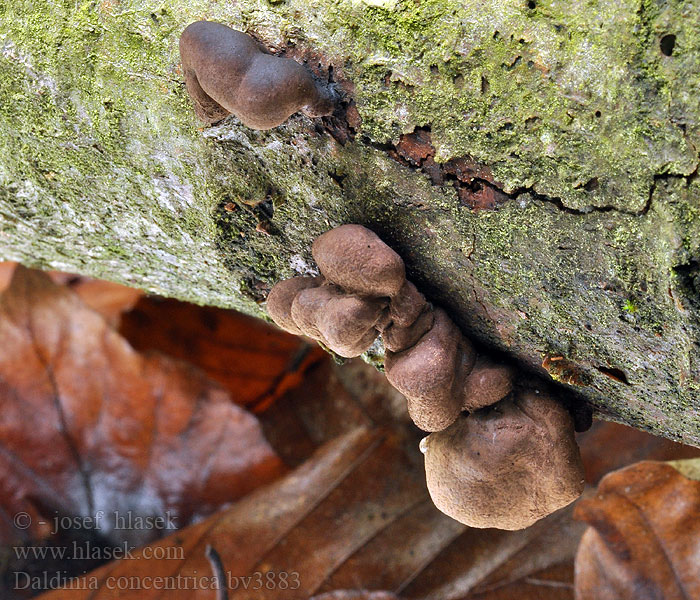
534	163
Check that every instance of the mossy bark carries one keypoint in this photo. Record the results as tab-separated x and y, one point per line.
584	117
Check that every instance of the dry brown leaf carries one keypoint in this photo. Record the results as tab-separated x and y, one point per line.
542	569
643	542
7	268
249	536
87	424
354	517
607	446
688	467
255	361
476	564
553	583
416	553
334	400
107	298
355	595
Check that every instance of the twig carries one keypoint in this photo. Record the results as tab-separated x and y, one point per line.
218	568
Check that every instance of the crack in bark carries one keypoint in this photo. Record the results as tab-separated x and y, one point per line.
474	182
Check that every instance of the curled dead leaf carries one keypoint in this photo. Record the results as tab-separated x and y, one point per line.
643	542
89	427
109	299
255	361
354	517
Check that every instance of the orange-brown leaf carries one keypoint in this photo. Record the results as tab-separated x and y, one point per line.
87	424
107	298
256	362
607	446
643	542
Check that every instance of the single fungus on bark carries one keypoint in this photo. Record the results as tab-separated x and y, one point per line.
507	465
227	71
500	455
281	296
356	259
427	373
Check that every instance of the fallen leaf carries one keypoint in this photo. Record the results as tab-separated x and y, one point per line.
552	583
608	446
543	568
7	268
643	542
356	516
255	361
355	595
483	562
333	400
88	425
339	542
108	298
689	468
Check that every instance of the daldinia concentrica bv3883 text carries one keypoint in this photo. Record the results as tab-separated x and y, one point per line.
502	452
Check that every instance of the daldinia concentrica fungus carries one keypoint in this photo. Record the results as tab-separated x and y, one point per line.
428	373
506	465
280	298
354	258
227	71
499	456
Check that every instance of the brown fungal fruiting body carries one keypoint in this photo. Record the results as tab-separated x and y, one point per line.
427	374
354	258
505	466
363	292
227	71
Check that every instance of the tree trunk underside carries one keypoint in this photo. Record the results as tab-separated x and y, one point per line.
534	163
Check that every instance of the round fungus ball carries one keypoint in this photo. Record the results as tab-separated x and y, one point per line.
487	383
348	324
505	466
354	258
344	323
281	296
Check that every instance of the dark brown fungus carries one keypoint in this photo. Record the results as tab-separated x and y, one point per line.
279	300
354	258
348	324
426	374
364	293
506	466
308	307
407	305
344	323
487	383
397	338
227	71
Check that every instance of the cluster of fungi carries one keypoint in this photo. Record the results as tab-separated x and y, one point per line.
501	452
